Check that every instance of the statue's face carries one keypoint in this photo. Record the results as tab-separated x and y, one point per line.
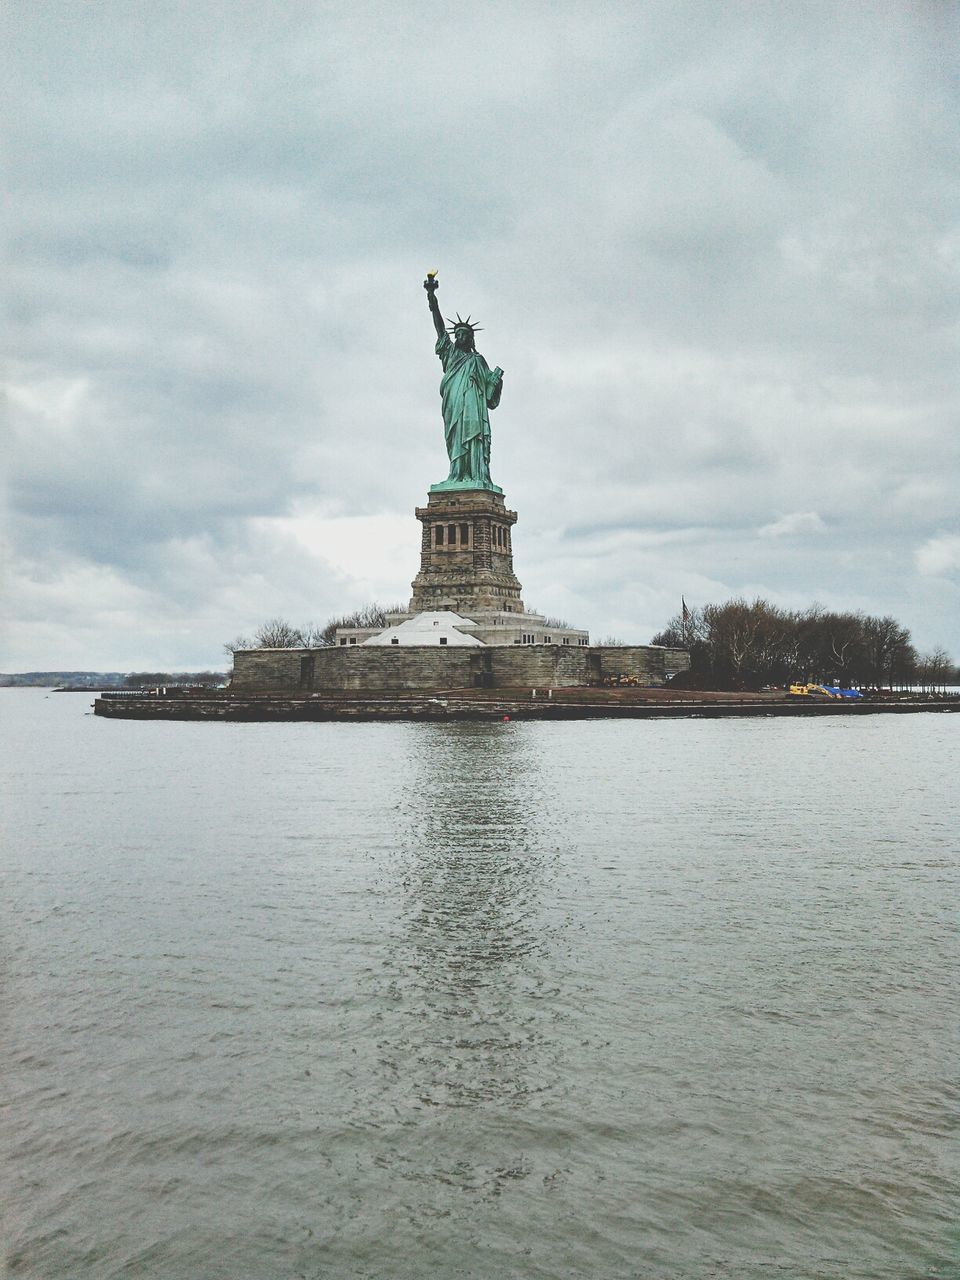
463	338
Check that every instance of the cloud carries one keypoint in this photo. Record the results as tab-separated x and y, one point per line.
797	522
715	251
939	557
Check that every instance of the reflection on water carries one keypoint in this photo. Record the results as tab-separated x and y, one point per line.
474	877
469	1025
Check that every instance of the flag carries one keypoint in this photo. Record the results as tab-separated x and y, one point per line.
684	611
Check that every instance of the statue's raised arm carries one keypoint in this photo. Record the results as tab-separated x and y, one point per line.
431	286
469	389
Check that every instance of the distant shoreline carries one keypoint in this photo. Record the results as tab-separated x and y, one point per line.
77	681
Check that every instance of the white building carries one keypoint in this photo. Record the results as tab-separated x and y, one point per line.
439	628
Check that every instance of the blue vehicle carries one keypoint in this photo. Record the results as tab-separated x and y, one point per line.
823	691
849	694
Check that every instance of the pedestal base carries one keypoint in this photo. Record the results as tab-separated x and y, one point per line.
466	557
458	486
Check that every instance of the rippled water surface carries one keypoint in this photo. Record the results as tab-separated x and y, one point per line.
609	999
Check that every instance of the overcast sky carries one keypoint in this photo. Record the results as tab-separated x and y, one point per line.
715	246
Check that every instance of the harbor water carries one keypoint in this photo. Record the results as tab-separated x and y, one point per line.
584	999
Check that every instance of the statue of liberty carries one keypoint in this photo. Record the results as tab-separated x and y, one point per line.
469	389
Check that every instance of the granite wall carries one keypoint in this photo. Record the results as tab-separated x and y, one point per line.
415	667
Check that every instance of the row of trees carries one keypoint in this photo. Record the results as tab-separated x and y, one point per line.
277	633
742	645
150	679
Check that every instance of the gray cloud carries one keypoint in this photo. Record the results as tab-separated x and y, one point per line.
717	254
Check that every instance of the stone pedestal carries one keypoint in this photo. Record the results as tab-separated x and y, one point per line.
466	557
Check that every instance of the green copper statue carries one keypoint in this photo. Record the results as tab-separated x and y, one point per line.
469	390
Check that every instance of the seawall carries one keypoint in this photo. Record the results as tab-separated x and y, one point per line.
580	704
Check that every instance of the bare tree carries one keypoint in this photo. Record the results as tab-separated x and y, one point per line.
367	616
889	654
277	633
934	670
313	636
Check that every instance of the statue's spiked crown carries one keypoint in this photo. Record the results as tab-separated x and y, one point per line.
454	325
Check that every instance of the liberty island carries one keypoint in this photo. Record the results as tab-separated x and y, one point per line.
466	645
466	627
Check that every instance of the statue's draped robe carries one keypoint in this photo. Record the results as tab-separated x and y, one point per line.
469	389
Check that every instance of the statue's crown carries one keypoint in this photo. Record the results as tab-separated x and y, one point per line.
454	325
